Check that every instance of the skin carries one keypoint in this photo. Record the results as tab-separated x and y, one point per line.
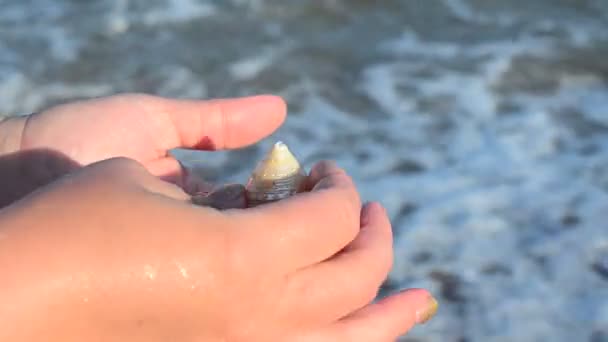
110	248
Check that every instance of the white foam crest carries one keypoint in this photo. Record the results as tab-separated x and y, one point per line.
178	11
33	96
505	191
462	10
379	83
410	43
251	66
586	93
63	45
181	82
45	23
117	19
253	5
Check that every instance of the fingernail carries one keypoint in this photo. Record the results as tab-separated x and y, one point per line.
331	164
327	164
428	311
323	167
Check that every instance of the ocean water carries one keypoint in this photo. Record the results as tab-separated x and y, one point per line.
482	126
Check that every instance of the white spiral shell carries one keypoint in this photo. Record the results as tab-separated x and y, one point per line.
278	176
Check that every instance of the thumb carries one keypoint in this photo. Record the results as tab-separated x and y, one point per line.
215	125
223	123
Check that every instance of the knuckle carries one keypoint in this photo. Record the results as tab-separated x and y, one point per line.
349	193
348	216
126	163
110	162
345	186
342	208
341	179
324	166
114	170
120	161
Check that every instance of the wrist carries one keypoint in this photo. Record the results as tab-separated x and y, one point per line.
23	170
11	133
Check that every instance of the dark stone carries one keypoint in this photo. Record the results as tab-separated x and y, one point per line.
388	287
380	136
577	122
570	220
451	285
540	260
231	196
600	264
497	269
406	209
408	166
599	336
589	149
528	74
362	156
303	134
422	257
508	107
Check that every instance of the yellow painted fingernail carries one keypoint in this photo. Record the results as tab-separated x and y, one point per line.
425	314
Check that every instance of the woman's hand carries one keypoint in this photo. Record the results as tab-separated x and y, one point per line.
113	253
37	149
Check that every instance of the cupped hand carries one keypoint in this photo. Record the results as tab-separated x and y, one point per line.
136	126
113	253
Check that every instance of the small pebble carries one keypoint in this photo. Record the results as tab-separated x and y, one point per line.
600	264
570	220
451	285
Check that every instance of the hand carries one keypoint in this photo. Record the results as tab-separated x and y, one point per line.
111	252
41	147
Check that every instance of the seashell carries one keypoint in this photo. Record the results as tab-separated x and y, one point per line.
278	176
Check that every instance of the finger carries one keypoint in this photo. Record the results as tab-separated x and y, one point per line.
225	123
351	279
320	171
303	229
171	170
168	169
385	320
